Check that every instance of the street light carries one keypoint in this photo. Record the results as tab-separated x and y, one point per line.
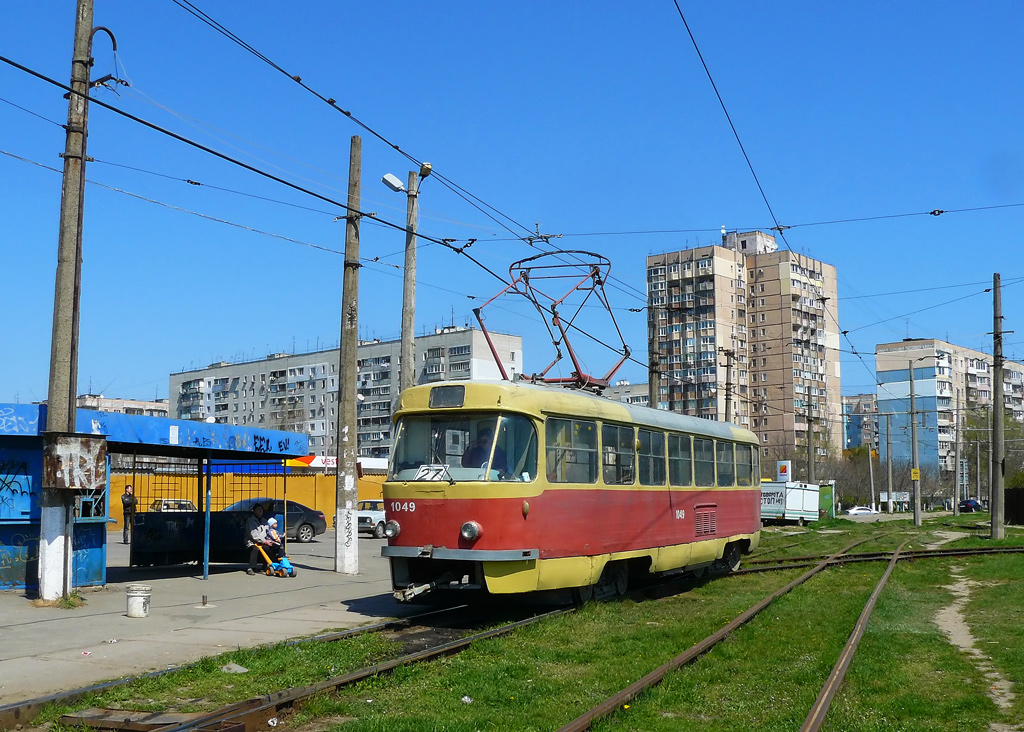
408	359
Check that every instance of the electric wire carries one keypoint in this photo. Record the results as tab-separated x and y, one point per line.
466	195
778	227
473	200
449	244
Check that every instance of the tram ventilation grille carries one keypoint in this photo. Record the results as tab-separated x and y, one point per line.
706	520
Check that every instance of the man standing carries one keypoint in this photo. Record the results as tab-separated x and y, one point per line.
128	504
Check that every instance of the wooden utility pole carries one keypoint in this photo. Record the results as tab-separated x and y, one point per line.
916	467
888	460
998	413
346	545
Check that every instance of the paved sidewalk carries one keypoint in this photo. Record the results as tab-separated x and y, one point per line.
44	650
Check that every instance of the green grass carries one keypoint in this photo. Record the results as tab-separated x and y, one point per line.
906	675
203	686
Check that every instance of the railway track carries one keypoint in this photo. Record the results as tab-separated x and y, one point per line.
816	715
447	631
21	713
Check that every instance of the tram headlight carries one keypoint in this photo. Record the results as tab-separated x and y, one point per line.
471	531
392	529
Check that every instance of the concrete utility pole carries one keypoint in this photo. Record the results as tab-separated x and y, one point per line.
346	538
888	460
916	468
56	514
956	457
871	464
811	478
407	373
998	447
977	469
729	354
654	360
408	366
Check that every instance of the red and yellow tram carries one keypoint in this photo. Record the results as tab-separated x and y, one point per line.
514	488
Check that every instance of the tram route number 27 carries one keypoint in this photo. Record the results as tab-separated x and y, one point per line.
403	506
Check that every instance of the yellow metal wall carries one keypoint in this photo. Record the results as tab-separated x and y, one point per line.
316	490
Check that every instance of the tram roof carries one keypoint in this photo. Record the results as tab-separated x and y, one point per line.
558	400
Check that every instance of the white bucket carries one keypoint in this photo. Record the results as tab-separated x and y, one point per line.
138	600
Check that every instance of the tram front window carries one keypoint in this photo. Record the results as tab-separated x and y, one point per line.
455	447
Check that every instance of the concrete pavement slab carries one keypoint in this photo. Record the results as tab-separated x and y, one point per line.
42	650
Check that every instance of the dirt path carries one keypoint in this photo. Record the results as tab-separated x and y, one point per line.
952	622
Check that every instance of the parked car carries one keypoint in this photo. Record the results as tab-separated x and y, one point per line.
970	506
304	523
860	511
172	505
370	518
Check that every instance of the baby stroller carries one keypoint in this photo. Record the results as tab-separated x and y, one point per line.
282	567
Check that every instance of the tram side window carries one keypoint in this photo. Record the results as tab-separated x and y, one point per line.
726	464
619	454
680	460
571	450
744	465
651	457
704	462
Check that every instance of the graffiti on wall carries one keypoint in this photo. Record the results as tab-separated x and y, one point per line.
77	463
19	489
14	421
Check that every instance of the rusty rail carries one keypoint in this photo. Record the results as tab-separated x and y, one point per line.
816	717
612	703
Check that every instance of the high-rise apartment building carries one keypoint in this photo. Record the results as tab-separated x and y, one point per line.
948	380
299	392
860	421
748	333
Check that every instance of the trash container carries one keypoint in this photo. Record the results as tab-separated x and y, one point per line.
138	600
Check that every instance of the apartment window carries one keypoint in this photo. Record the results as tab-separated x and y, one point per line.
764	318
761	288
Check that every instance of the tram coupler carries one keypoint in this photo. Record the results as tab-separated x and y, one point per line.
410	592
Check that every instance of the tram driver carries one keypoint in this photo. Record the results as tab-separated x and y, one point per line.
480	450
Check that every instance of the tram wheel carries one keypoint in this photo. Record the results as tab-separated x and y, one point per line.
614	581
582	595
732	557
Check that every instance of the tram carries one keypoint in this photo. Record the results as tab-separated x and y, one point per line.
510	488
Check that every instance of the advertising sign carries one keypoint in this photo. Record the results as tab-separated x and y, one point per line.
784	471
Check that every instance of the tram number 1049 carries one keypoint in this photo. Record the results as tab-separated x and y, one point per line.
403	506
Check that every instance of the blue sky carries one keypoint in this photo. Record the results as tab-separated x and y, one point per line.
584	118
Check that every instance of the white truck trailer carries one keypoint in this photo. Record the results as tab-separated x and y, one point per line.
789	501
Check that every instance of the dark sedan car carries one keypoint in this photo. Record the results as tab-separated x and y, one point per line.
304	523
970	506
